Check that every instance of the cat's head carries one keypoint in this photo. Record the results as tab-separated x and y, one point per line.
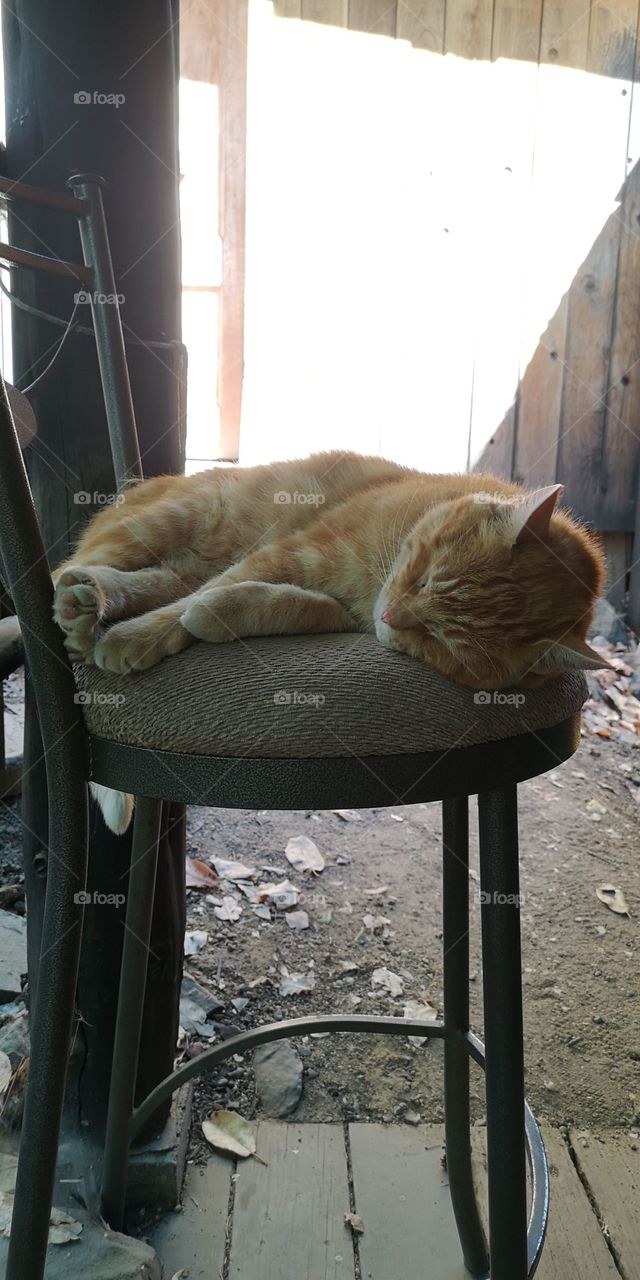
494	590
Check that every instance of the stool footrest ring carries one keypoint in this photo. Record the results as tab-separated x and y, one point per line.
360	1024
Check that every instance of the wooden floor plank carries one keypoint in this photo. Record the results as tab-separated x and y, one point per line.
195	1238
402	1195
288	1218
575	1247
611	1170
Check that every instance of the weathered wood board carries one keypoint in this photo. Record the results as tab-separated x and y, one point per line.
402	1196
611	1170
375	16
575	1247
194	1239
288	1218
422	22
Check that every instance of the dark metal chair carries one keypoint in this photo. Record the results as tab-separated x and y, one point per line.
139	753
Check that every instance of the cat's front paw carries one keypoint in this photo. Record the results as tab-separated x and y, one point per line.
214	615
140	643
78	605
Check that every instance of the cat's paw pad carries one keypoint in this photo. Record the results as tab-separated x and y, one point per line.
139	643
78	601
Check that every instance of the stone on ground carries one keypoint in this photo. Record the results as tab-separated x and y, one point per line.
99	1253
278	1072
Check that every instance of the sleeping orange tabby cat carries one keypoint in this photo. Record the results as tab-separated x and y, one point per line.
473	576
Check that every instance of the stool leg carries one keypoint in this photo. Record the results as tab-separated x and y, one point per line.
51	1027
501	961
133	976
455	946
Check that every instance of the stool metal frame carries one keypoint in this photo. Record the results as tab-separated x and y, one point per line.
491	771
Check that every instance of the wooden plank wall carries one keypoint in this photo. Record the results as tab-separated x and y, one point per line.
571	408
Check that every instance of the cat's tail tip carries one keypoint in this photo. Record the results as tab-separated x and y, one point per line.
116	807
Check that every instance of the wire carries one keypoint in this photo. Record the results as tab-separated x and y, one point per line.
79	328
34	386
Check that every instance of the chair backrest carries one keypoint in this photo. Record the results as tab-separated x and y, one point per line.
27	579
23	561
95	277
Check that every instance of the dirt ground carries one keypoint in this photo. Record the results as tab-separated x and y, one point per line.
581	961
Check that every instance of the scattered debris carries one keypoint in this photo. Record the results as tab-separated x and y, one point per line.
13	949
594	806
297	920
262	911
250	891
375	893
227	1131
199	875
229	870
419	1011
390	981
295	984
348	815
6	1072
194	941
378	925
282	895
63	1229
354	1221
230	910
395	817
304	855
613	898
613	708
196	1007
412	1117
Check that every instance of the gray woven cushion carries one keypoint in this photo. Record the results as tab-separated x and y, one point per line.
309	696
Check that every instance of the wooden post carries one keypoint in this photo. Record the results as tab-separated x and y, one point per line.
93	89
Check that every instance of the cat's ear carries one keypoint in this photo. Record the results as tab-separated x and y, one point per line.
530	519
570	654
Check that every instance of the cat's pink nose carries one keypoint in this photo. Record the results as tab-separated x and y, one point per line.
387	616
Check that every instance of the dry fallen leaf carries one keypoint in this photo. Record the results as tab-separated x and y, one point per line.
200	875
229	870
354	1221
613	898
390	981
227	1131
63	1229
304	855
